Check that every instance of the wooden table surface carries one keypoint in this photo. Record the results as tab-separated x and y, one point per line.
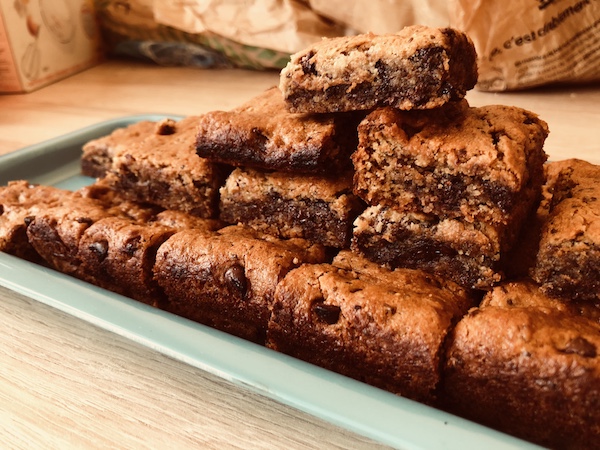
65	383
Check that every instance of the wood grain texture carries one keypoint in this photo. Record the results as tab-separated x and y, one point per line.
65	383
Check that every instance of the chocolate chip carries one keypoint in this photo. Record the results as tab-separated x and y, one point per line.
308	67
132	245
1	209
329	314
235	276
581	347
85	220
28	220
165	127
389	309
100	248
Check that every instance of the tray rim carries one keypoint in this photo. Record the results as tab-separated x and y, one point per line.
350	404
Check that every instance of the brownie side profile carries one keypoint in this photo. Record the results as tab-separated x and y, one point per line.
417	68
163	169
97	154
385	328
526	366
567	264
468	253
226	279
118	254
55	232
20	201
480	163
262	134
319	209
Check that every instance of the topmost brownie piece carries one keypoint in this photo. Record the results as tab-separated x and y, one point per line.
417	68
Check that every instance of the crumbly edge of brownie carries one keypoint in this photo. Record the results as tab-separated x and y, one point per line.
314	208
468	253
417	68
437	169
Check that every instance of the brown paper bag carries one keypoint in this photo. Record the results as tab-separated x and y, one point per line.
383	16
283	25
533	43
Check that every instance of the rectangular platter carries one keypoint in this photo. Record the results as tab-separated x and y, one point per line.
371	412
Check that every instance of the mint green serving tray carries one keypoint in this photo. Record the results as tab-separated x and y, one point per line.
366	410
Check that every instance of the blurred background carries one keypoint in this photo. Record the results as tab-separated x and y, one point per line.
520	45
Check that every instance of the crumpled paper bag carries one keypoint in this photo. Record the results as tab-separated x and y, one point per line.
383	16
282	25
525	44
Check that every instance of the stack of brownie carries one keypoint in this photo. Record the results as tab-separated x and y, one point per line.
362	217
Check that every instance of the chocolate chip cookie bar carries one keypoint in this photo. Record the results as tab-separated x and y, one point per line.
262	134
529	365
156	163
386	328
417	68
319	209
567	264
97	154
469	253
226	279
478	163
20	201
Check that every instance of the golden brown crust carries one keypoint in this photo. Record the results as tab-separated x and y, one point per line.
526	365
379	326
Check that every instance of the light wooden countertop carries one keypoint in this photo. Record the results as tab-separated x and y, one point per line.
65	383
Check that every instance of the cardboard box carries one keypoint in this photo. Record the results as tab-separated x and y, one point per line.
42	41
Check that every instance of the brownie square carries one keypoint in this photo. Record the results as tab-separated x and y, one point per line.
385	328
528	365
417	68
226	279
470	254
118	254
20	201
263	134
482	164
55	232
567	264
162	168
292	206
